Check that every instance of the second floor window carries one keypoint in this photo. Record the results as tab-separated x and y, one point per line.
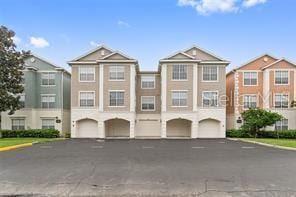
22	101
179	98
48	123
48	79
47	101
210	73
116	72
116	98
148	103
179	72
250	101
250	78
281	77
281	100
86	73
210	99
148	82
87	99
281	125
18	124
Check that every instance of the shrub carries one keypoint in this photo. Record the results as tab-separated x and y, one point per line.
38	133
239	133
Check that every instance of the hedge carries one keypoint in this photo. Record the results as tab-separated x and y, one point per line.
38	133
239	133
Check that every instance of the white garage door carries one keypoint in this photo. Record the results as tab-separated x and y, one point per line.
209	129
147	128
87	129
179	128
117	128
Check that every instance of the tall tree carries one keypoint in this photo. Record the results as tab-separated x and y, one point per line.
11	66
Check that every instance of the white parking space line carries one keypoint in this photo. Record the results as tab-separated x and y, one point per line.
100	140
222	142
248	147
97	147
45	146
147	147
198	147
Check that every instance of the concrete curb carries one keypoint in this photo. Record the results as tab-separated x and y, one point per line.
263	144
15	147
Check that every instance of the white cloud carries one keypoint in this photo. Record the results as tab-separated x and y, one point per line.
123	24
206	7
16	40
93	43
251	3
38	42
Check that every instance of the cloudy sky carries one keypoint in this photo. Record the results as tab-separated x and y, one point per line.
148	30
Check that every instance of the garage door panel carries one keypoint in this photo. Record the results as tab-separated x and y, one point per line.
179	128
147	128
117	128
209	129
87	129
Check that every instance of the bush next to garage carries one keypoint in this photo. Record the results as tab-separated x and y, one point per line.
240	133
38	133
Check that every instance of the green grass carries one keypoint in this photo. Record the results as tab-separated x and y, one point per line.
279	142
4	142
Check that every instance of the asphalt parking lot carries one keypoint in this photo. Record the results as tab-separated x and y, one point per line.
85	167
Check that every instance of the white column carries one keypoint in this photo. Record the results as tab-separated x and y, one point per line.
73	128
132	129
163	87
132	88
163	129
194	129
194	85
101	129
266	89
101	88
294	82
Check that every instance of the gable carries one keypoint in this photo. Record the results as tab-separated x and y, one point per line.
201	54
258	63
282	64
40	64
116	56
95	55
180	56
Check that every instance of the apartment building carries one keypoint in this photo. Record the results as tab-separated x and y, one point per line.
45	100
111	97
265	82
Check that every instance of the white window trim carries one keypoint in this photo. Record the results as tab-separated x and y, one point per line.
178	106
203	98
42	72
250	95
275	77
116	79
209	80
173	72
47	95
275	94
18	118
82	81
251	71
282	124
87	92
123	106
51	118
153	83
142	103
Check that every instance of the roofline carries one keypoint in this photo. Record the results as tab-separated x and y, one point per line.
117	52
176	53
91	51
179	60
207	51
273	63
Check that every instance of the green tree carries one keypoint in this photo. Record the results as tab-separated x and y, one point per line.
11	66
256	119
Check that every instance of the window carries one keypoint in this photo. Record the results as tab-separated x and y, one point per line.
210	99
250	101
281	77
281	101
281	125
148	103
179	72
87	99
210	73
116	72
48	123
22	101
47	101
48	79
18	124
250	78
86	73
148	82
179	98
116	98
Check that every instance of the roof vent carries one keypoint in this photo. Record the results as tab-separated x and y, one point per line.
32	59
265	59
194	52
102	52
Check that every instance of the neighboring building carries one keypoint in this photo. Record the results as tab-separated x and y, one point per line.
45	100
265	82
112	98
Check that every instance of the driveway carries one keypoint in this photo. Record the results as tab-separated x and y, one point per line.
148	167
